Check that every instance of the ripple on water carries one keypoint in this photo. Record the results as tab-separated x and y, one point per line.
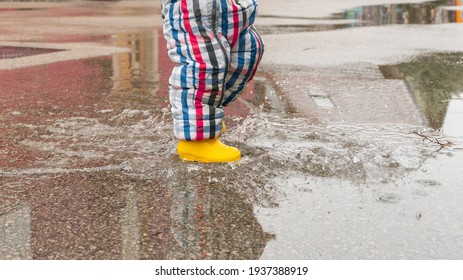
389	198
428	183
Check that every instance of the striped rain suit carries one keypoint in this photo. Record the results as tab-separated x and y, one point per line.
216	51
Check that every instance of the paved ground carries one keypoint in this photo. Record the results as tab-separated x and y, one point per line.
351	135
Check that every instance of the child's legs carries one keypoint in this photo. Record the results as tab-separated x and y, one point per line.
197	80
244	60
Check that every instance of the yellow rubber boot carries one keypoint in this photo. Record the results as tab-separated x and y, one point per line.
224	127
211	150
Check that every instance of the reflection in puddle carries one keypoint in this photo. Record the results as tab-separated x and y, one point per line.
296	28
453	121
435	12
433	81
211	222
112	215
136	72
419	13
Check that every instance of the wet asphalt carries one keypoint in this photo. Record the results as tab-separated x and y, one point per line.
351	133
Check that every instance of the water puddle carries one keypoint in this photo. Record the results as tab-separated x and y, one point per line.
296	28
136	74
435	81
89	167
152	208
434	12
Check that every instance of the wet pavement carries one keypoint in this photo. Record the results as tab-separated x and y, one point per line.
351	135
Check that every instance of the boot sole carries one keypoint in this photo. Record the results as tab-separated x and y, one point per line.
197	159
